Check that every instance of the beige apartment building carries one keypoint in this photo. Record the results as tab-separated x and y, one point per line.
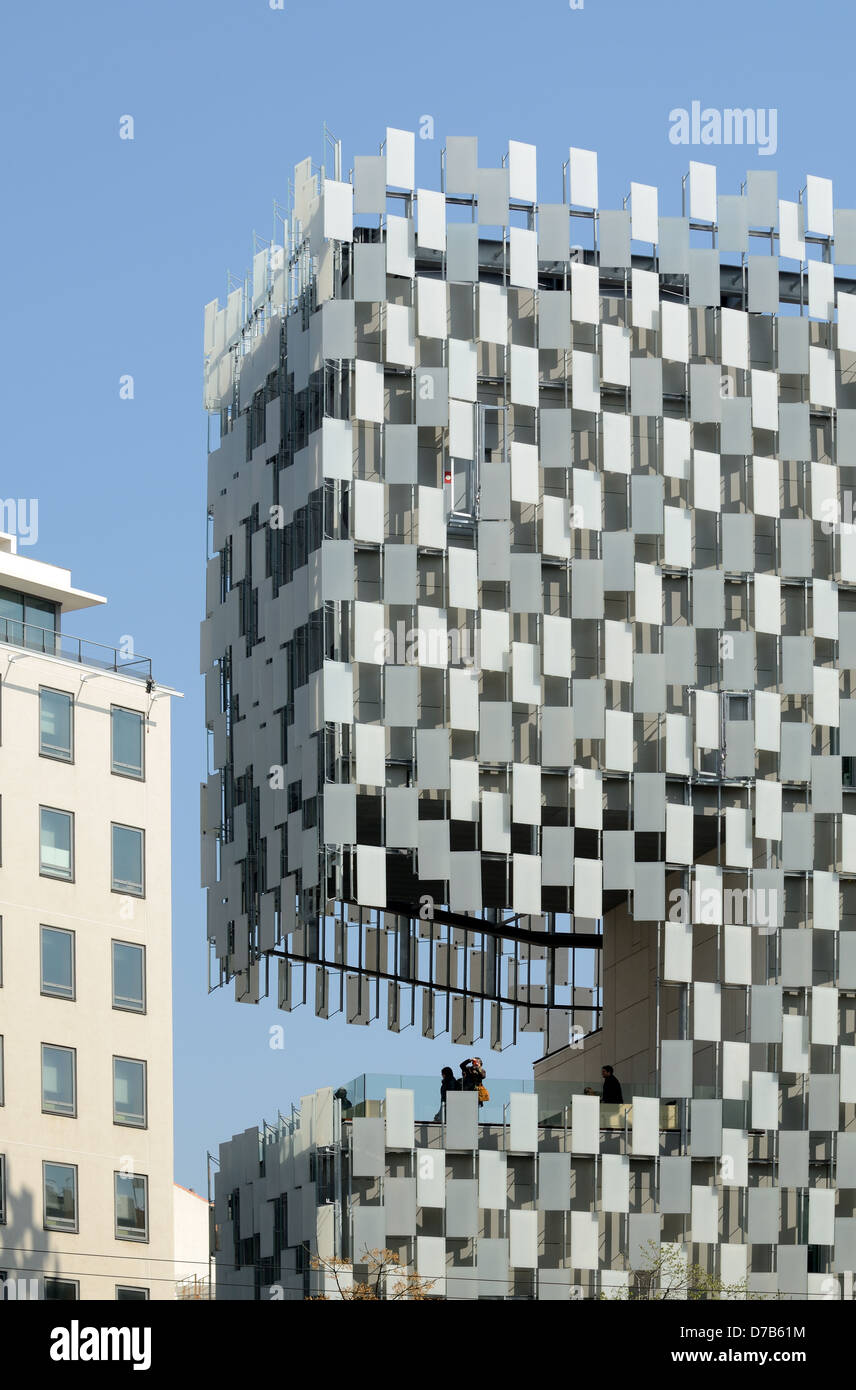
86	1142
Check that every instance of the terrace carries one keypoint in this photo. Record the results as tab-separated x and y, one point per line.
48	641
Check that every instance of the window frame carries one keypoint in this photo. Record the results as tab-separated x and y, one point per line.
124	889
53	755
60	1279
2	1189
127	1008
68	1229
134	1237
125	1122
55	993
47	1109
49	873
122	770
139	1294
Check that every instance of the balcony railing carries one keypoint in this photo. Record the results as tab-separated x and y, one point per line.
47	642
194	1286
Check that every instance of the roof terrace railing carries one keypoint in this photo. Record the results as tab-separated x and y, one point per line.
47	642
369	1089
364	1096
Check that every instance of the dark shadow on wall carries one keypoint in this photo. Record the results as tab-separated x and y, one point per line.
28	1259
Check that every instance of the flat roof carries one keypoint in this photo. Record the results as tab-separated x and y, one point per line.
42	580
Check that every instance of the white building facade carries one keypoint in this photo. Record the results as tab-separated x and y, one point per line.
86	1140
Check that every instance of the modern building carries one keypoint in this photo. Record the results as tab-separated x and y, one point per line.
529	654
543	1194
86	1187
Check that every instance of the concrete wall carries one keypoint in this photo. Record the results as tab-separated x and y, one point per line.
627	1039
191	1235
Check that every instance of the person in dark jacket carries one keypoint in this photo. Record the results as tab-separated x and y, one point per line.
472	1075
611	1093
448	1082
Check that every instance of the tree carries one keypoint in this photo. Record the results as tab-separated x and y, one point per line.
387	1280
667	1276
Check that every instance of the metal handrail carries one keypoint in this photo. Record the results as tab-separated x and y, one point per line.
46	641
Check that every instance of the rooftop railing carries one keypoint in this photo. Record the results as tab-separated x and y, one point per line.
553	1096
45	641
365	1096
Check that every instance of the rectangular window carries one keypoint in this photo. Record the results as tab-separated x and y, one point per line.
62	1290
40	617
11	617
59	1067
57	954
56	843
129	1092
60	1196
126	730
129	1293
132	1202
128	875
2	1189
129	976
56	722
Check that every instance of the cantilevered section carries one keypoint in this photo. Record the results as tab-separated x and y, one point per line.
531	590
40	580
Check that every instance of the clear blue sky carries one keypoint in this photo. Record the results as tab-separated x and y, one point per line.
111	248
